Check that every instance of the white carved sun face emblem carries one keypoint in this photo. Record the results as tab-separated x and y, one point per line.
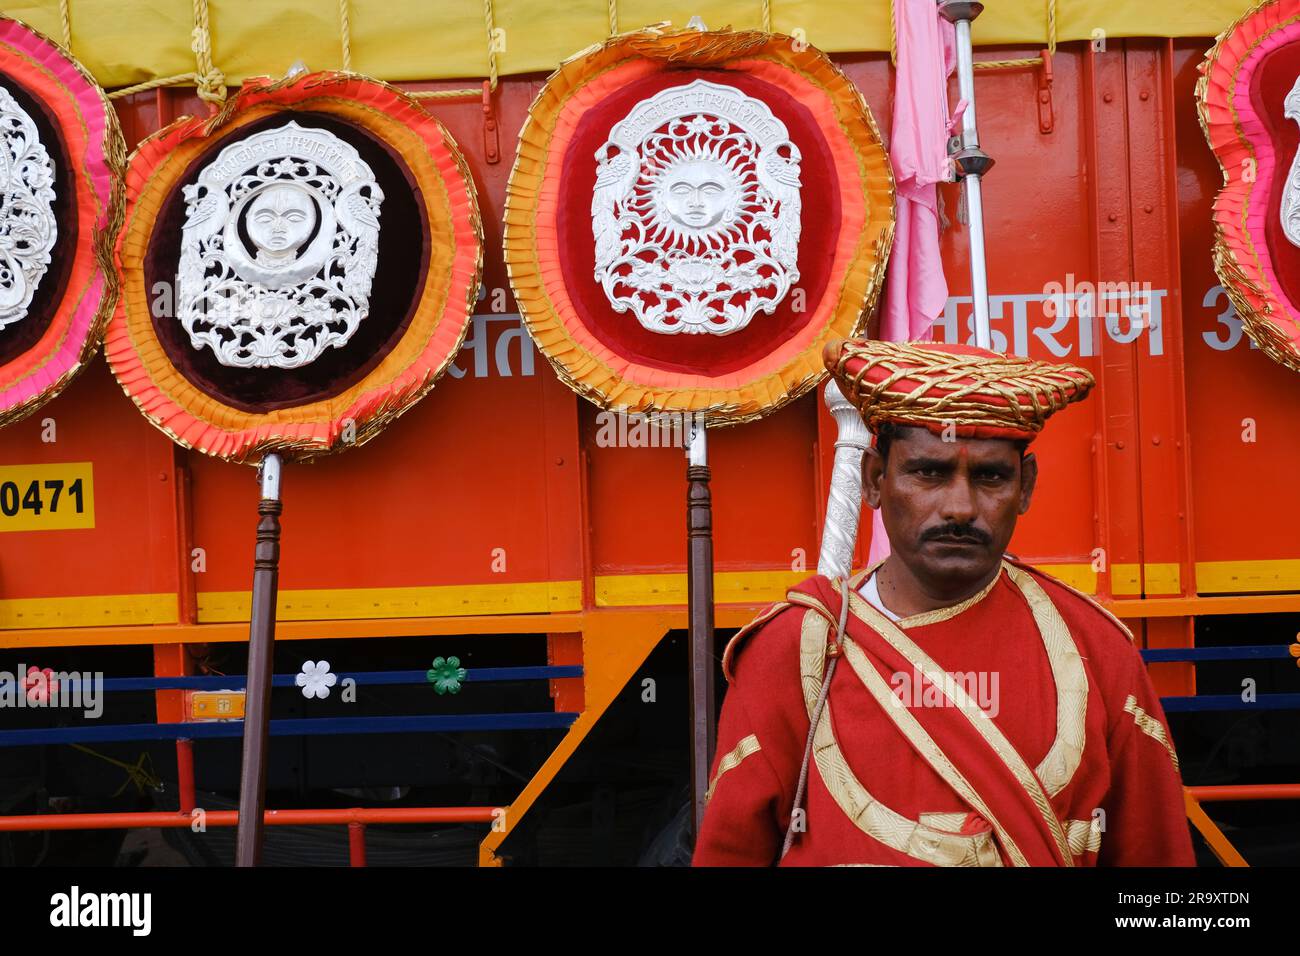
698	194
696	211
280	221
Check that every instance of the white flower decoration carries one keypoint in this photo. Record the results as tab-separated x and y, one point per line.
316	679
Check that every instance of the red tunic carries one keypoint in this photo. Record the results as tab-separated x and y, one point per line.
1056	676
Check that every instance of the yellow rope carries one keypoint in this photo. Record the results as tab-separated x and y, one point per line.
447	94
488	19
1029	60
982	64
345	28
767	16
893	34
210	81
489	24
1008	64
65	21
613	17
177	80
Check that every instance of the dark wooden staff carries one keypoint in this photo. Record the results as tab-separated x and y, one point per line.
699	600
261	647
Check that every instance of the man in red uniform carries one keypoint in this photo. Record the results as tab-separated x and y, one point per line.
965	709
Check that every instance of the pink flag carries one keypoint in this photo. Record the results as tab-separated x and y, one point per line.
915	287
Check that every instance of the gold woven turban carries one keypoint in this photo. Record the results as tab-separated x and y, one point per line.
937	386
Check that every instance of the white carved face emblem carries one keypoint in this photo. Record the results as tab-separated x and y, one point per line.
1290	206
280	221
696	211
699	194
279	249
28	229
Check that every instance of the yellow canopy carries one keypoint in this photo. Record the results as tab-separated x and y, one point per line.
123	42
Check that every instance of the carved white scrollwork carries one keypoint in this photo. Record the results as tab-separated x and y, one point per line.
27	225
1291	190
696	210
279	248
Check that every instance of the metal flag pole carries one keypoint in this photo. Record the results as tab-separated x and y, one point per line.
970	161
844	504
261	645
699	600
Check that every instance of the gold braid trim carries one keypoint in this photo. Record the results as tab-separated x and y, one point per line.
1151	727
731	761
1084	836
940	614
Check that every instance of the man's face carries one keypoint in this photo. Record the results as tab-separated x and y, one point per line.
950	507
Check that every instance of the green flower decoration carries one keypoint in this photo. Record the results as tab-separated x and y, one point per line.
446	675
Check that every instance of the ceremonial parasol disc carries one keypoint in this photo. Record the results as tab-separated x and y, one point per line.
297	271
1248	100
60	207
692	216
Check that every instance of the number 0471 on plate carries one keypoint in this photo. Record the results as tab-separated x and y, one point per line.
47	497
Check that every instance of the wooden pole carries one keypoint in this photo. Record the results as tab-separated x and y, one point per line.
261	647
699	598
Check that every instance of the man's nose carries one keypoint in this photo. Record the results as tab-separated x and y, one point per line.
958	504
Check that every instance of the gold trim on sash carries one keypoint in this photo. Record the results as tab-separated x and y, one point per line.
1089	599
1071	678
747	747
1150	726
878	821
1067	672
952	822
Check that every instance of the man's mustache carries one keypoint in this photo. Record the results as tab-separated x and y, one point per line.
951	530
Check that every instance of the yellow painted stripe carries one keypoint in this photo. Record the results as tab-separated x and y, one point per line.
1081	577
619	590
1125	579
97	611
1162	578
1220	577
729	587
530	597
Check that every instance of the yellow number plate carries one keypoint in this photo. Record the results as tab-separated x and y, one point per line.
47	497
